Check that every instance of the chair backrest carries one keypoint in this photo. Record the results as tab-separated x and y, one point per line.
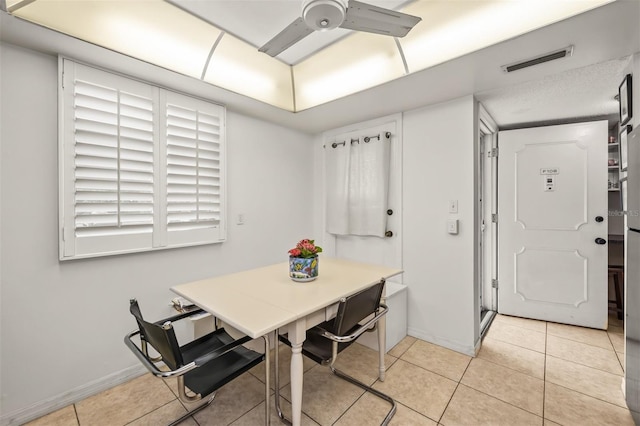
163	339
357	307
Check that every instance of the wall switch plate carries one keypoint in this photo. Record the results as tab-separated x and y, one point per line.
452	226
453	206
240	219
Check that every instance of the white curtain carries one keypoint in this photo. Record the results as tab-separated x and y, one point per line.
337	169
358	185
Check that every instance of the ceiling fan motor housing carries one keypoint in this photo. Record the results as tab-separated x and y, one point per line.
322	15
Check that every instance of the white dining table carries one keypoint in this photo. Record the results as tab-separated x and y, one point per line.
261	300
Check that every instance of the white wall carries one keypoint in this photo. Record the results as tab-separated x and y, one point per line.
62	324
438	166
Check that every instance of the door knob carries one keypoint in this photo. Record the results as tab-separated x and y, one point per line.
599	219
601	241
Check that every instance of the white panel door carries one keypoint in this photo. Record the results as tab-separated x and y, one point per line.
552	207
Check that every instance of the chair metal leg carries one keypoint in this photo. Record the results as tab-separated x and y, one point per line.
377	393
194	411
339	374
277	380
267	386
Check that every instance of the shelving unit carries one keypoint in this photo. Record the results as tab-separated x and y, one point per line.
616	214
614	170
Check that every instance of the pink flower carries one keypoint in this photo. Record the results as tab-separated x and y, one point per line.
307	246
305	249
295	252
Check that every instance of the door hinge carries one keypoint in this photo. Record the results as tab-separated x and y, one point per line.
494	283
494	218
493	153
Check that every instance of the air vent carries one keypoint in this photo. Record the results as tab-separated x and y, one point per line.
557	54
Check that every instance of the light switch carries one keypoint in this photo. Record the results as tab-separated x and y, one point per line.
240	219
452	226
453	206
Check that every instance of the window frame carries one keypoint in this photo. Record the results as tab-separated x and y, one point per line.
72	246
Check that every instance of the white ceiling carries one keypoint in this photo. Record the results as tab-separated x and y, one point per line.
257	21
579	86
585	92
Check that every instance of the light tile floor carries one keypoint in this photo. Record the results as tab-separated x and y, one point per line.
527	372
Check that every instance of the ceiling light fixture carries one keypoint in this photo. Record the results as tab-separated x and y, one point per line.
324	15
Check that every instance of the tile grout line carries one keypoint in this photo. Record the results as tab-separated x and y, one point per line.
616	352
592	397
435	372
354	403
585	343
75	410
417	412
586	366
508	368
156	409
546	333
513	369
248	411
511	343
501	400
515	344
454	391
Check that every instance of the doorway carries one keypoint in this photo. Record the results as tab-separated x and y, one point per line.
552	220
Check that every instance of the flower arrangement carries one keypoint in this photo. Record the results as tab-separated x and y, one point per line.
305	249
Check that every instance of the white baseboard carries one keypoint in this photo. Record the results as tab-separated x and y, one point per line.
454	346
49	405
477	347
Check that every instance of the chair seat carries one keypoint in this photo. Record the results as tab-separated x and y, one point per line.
211	376
317	347
340	332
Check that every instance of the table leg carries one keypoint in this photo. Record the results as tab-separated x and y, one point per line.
382	345
297	334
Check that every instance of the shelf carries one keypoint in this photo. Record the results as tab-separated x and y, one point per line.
614	189
616	167
611	145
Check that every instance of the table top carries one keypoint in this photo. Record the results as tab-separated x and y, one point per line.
261	300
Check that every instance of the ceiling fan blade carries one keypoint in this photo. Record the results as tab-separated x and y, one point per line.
286	38
374	19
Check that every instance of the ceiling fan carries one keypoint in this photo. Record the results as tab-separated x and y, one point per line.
323	15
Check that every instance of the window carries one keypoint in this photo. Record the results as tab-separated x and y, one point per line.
141	168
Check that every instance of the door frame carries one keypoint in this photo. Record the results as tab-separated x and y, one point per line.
487	209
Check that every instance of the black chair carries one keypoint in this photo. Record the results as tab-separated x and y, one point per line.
325	341
201	366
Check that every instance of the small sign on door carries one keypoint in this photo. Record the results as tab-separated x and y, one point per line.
550	171
549	183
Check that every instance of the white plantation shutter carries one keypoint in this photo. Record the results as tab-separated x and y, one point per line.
113	161
140	166
194	134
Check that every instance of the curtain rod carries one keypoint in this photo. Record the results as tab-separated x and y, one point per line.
367	139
